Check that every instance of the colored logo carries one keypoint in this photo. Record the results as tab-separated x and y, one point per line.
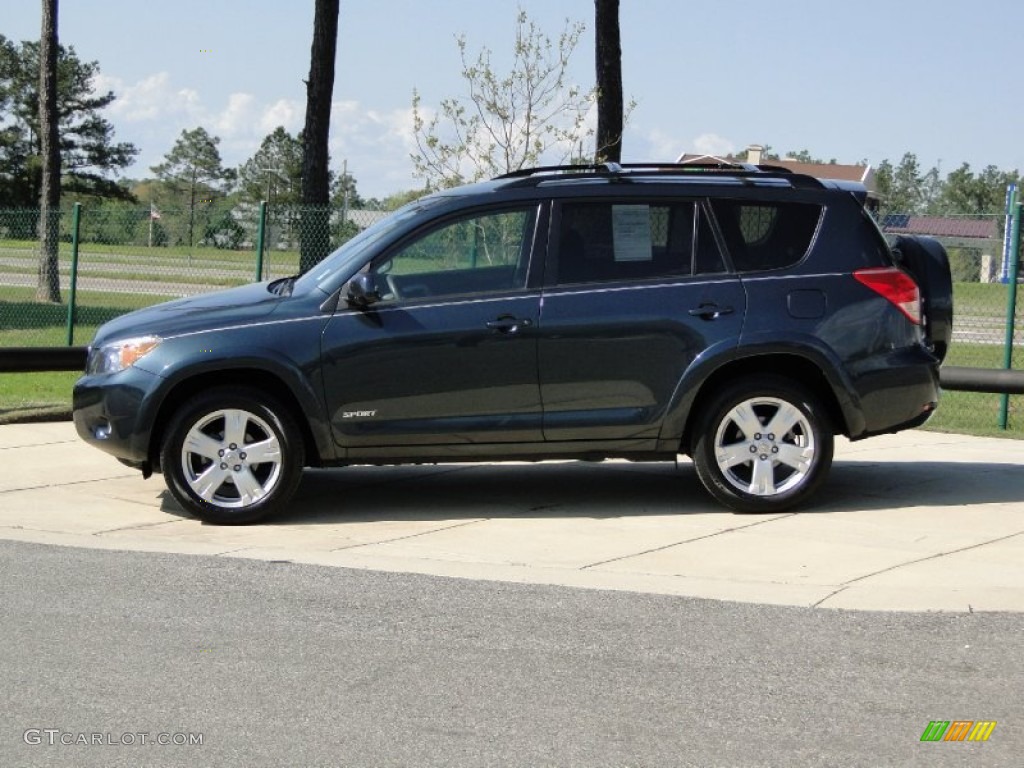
958	730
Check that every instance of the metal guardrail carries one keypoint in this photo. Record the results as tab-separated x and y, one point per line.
955	378
999	381
29	359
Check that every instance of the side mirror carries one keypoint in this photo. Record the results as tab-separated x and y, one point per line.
362	291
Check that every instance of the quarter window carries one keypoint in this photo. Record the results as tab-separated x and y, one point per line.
762	236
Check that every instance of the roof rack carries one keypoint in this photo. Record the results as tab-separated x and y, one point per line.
626	171
606	168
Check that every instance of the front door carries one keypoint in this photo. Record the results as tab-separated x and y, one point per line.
449	353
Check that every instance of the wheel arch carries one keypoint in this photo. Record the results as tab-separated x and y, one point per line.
249	377
801	369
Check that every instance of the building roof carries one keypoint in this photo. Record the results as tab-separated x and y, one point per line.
864	174
861	173
941	226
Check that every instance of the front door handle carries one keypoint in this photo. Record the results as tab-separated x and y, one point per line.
508	324
710	311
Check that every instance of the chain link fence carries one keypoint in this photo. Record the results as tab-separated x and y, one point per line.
131	257
981	315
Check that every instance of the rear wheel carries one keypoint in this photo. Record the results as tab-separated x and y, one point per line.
764	445
232	456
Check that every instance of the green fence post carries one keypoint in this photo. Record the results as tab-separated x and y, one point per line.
1011	306
75	213
259	240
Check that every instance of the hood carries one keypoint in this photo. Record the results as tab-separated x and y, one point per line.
195	313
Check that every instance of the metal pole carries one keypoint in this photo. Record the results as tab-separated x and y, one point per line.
259	240
1011	202
344	204
1011	306
75	214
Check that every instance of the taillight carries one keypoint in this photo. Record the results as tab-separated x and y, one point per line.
895	285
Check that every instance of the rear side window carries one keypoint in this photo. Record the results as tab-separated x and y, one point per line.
762	236
635	240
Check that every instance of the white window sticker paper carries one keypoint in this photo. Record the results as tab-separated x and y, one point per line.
631	230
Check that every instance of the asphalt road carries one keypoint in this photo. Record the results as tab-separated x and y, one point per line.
107	285
285	664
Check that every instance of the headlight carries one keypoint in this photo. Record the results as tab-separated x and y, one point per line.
118	355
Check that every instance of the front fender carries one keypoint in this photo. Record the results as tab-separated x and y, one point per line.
181	360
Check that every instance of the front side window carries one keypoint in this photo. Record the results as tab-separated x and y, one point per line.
477	254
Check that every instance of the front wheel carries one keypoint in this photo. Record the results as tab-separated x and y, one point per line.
232	456
764	445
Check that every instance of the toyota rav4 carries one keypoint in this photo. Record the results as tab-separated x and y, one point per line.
742	315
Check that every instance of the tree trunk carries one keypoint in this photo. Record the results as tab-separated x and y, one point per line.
315	238
48	284
608	58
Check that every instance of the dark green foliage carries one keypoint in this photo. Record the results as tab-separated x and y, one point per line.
905	188
192	177
88	151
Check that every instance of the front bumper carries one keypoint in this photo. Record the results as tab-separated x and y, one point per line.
110	413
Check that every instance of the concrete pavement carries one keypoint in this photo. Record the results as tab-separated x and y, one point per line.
919	521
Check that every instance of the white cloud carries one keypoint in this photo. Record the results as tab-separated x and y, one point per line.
237	118
376	144
151	98
713	144
282	112
662	146
398	124
153	111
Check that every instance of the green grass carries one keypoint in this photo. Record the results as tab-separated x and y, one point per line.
977	413
24	322
980	294
27	323
35	396
977	355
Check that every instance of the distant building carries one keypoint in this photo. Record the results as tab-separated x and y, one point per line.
954	230
864	174
981	234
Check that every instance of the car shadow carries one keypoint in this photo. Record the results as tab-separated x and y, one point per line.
578	489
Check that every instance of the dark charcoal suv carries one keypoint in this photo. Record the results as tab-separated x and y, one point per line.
742	315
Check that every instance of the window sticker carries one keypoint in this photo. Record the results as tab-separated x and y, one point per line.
631	230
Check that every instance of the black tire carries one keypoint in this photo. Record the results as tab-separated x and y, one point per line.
753	469
222	484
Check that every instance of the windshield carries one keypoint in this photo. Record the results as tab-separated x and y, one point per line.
343	261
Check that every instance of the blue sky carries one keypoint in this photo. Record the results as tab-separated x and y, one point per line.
850	80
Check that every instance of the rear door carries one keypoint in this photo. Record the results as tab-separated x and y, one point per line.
635	290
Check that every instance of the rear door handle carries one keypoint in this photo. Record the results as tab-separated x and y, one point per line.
508	324
710	311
